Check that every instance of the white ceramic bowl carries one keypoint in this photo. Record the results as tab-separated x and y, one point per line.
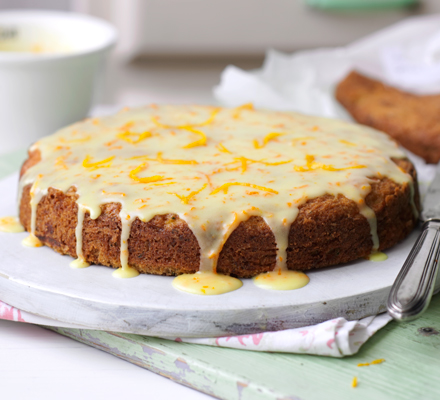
49	62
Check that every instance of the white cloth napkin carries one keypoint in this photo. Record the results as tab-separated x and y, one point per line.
405	55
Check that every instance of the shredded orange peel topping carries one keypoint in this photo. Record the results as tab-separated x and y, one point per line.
304	139
154	178
244	162
106	163
162	160
113	193
204	123
267	139
85	138
134	137
237	110
186	199
313	166
200	142
226	186
346	142
190	128
223	148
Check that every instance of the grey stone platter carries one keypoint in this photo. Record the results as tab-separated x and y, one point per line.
40	281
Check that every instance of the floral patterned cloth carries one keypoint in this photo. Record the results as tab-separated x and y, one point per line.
335	338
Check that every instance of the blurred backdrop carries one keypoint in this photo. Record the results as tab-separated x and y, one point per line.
175	50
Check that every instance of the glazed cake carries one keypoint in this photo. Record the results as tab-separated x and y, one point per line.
173	190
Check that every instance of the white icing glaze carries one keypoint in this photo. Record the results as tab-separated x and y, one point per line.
206	283
213	167
80	262
10	225
281	280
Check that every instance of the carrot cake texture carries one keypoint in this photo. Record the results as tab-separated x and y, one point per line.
239	192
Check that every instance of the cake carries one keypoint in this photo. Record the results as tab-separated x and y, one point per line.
410	119
173	190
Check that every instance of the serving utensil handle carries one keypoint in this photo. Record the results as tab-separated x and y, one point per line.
413	288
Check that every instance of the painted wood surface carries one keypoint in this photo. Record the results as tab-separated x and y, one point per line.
411	368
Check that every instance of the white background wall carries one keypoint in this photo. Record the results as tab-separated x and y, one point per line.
227	27
240	27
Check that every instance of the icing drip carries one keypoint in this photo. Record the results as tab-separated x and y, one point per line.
10	225
214	168
368	213
80	262
36	195
125	271
280	228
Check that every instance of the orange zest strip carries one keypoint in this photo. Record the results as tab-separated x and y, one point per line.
311	165
237	110
223	148
106	163
274	163
378	361
133	137
154	178
85	138
211	118
111	193
186	199
244	163
354	382
200	142
346	142
162	184
164	160
304	138
363	364
59	161
226	186
267	139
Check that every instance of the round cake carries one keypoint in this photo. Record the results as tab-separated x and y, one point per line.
171	190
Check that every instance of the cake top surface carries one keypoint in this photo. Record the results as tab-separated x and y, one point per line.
213	167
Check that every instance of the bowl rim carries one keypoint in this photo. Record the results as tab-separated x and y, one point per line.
41	15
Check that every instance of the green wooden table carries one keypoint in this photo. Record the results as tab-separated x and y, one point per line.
411	351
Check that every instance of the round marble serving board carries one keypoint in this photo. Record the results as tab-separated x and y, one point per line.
40	281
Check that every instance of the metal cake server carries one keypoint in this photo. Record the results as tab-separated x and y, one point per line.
414	286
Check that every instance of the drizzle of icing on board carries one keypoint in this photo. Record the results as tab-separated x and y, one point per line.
378	256
214	167
206	283
125	272
31	241
10	225
281	280
79	263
